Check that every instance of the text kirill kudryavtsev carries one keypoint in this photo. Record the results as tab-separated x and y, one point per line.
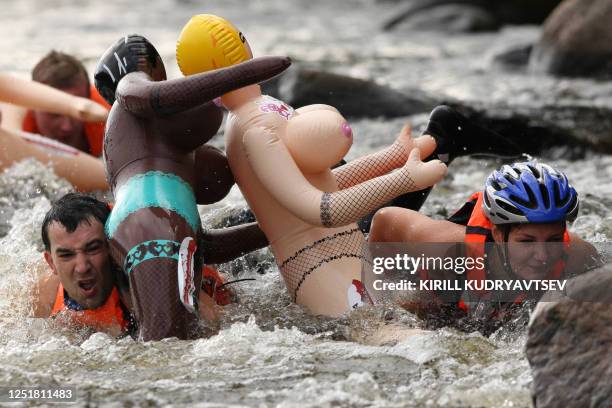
410	265
472	284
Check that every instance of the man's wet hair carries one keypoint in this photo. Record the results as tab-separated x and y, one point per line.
61	71
70	211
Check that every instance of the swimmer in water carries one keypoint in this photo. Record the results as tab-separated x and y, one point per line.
83	171
74	114
519	220
83	288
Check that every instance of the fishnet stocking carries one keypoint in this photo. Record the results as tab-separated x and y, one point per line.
371	166
349	205
296	268
157	306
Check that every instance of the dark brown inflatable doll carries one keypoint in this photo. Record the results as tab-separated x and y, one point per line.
159	168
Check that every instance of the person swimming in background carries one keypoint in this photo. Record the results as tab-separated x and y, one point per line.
84	288
34	95
83	171
523	210
281	159
81	126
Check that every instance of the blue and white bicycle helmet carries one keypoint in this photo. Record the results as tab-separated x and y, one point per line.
529	192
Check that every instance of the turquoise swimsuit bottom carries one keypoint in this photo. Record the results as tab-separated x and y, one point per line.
154	189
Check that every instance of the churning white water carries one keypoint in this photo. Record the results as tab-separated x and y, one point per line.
267	351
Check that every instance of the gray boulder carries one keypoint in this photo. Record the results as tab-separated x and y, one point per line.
453	18
569	346
538	127
353	97
576	40
466	15
513	58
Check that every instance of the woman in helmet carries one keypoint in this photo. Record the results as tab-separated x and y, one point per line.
517	224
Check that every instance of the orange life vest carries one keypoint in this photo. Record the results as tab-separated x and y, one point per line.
94	131
112	314
213	285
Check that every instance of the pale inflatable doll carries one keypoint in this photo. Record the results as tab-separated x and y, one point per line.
281	160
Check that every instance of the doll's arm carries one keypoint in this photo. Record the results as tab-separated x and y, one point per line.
85	172
382	162
276	169
42	97
213	174
140	95
224	244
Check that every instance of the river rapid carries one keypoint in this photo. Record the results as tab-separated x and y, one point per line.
266	351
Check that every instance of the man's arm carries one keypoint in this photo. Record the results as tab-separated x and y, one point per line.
144	97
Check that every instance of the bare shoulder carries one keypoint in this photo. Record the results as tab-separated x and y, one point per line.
582	255
43	294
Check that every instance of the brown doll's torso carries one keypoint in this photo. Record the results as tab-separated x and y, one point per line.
134	145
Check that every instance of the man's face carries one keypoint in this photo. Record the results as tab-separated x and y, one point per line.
64	128
82	262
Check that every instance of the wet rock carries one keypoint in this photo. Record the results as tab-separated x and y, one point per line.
576	40
513	58
353	97
538	127
454	18
232	216
568	336
531	136
467	15
522	11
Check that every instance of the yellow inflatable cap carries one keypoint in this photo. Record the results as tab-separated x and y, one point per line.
209	42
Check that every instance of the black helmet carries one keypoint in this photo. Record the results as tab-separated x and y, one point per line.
129	54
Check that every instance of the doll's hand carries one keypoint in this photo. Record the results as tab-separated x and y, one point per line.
425	143
418	175
88	111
